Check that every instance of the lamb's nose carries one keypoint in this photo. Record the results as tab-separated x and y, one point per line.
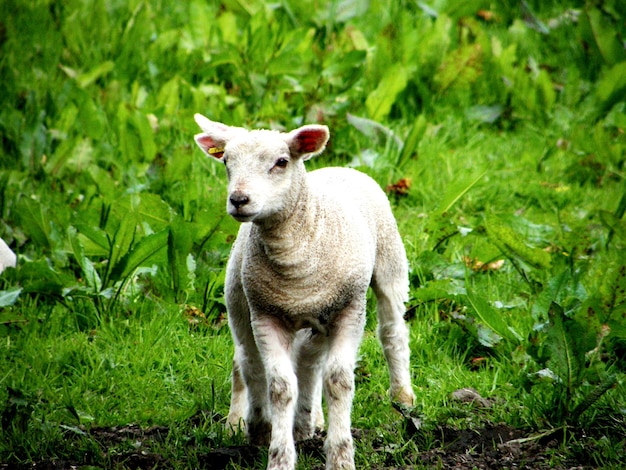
239	199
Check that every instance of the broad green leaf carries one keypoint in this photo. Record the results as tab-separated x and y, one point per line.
89	272
491	317
605	36
341	70
617	324
96	236
567	357
81	157
34	221
87	78
295	55
122	231
439	289
616	117
9	297
39	277
140	254
67	119
144	208
613	289
92	118
372	129
487	337
146	136
460	68
102	179
513	246
128	141
227	23
487	114
201	17
562	289
179	245
251	7
611	88
380	101
345	10
545	91
616	225
169	96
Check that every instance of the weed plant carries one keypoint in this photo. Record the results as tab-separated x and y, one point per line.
497	129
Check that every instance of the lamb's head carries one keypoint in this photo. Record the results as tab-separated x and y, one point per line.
265	168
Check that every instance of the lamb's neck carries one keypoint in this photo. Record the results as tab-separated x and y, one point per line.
289	241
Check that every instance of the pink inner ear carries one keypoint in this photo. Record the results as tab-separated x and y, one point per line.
207	143
310	140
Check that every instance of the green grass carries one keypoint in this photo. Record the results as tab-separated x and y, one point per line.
506	121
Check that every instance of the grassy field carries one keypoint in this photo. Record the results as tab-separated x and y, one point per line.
497	131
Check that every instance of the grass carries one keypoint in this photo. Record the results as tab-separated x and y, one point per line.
503	124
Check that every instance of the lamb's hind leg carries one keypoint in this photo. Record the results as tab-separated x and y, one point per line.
390	284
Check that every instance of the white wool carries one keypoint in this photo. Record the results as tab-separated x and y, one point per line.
7	257
309	247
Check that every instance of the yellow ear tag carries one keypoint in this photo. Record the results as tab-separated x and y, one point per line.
214	150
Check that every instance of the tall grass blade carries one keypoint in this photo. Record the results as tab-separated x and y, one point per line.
456	192
413	139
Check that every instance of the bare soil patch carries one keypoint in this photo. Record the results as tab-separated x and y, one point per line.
494	446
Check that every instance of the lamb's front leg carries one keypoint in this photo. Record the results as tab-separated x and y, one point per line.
310	351
248	406
275	342
345	339
249	394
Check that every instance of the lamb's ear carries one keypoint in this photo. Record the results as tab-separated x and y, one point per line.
213	140
308	140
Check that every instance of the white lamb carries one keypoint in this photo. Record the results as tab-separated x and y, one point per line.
310	246
7	257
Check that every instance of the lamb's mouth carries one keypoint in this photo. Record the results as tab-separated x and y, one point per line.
242	216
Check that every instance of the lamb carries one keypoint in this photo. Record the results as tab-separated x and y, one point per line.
8	259
309	246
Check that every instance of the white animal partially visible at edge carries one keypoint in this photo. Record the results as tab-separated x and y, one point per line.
7	257
309	247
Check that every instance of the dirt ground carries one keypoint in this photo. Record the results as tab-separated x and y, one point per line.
495	446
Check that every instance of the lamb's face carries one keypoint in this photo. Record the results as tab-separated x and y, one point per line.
261	172
265	168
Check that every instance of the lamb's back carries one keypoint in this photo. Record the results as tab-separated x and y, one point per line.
354	193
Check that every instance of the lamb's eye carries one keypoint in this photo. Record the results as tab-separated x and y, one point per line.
281	163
